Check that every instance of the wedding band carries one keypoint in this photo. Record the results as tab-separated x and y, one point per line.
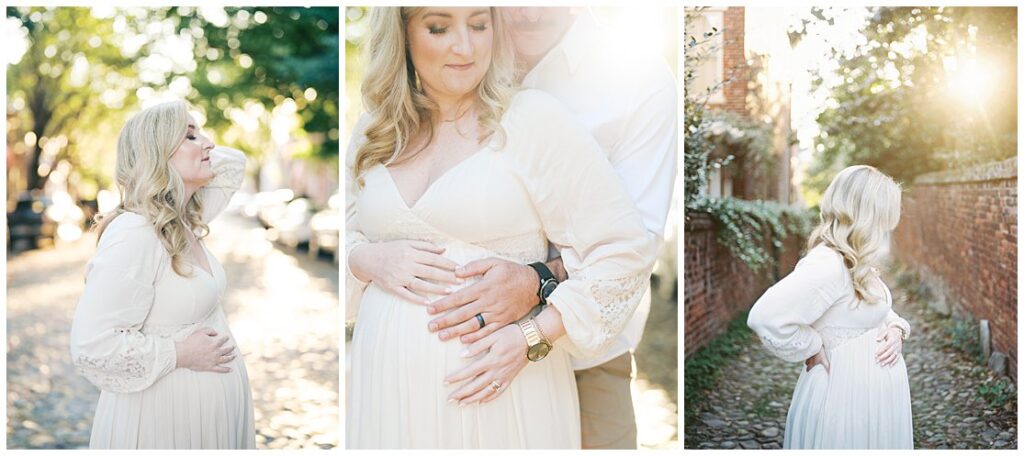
480	320
495	386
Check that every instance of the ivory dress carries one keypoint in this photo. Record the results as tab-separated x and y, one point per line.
858	404
550	181
134	308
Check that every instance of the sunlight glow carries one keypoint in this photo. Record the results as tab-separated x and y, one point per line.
972	81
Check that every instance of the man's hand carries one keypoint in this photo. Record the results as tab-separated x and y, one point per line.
818	358
505	293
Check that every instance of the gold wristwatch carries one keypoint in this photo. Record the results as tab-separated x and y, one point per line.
538	346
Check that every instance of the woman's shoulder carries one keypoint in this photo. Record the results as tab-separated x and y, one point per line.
825	263
130	227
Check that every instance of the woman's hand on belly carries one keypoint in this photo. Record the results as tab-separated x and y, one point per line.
204	350
487	377
890	348
409	269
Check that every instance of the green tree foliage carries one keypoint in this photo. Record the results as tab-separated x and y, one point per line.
267	55
85	69
897	103
69	80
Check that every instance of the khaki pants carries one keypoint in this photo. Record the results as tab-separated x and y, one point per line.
606	406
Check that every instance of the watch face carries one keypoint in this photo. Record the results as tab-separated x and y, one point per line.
538	352
548	288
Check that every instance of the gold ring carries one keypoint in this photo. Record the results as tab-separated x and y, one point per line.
495	386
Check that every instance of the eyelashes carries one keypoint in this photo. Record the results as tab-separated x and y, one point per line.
442	30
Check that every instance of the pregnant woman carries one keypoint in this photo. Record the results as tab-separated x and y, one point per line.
149	329
449	166
835	313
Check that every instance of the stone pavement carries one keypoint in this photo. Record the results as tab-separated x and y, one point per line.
748	408
282	308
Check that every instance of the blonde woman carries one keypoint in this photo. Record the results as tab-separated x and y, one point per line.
149	329
834	313
450	165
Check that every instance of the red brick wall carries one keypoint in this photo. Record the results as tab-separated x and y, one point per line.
716	285
737	73
960	228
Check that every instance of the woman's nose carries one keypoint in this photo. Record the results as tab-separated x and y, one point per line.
463	45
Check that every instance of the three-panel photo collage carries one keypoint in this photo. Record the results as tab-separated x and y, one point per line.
343	227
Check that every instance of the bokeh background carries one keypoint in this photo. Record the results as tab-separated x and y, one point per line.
262	80
655	392
778	100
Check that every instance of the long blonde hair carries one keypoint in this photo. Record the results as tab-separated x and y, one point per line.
393	97
859	210
150	186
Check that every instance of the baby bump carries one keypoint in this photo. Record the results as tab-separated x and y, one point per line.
854	385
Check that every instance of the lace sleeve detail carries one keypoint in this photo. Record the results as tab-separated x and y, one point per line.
616	299
134	368
804	344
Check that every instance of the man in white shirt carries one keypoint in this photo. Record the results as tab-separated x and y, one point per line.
626	98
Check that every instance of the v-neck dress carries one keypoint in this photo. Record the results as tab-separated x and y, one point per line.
857	404
544	179
133	310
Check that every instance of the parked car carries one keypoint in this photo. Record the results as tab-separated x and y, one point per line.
268	207
292	228
326	226
28	222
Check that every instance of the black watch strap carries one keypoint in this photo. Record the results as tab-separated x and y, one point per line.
548	282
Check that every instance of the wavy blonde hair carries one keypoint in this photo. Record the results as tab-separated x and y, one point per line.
150	186
859	210
393	97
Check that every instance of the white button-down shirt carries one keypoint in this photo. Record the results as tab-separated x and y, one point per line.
626	98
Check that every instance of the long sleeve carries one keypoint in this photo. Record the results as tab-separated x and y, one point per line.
892	319
586	212
353	233
228	173
782	317
646	156
107	345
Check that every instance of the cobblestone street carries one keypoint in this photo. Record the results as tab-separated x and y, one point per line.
282	308
747	409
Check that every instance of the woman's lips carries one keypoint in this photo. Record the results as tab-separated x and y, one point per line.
460	67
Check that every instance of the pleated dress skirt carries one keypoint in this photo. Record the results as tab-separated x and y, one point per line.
857	405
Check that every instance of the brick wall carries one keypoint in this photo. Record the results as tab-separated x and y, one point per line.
716	285
959	228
